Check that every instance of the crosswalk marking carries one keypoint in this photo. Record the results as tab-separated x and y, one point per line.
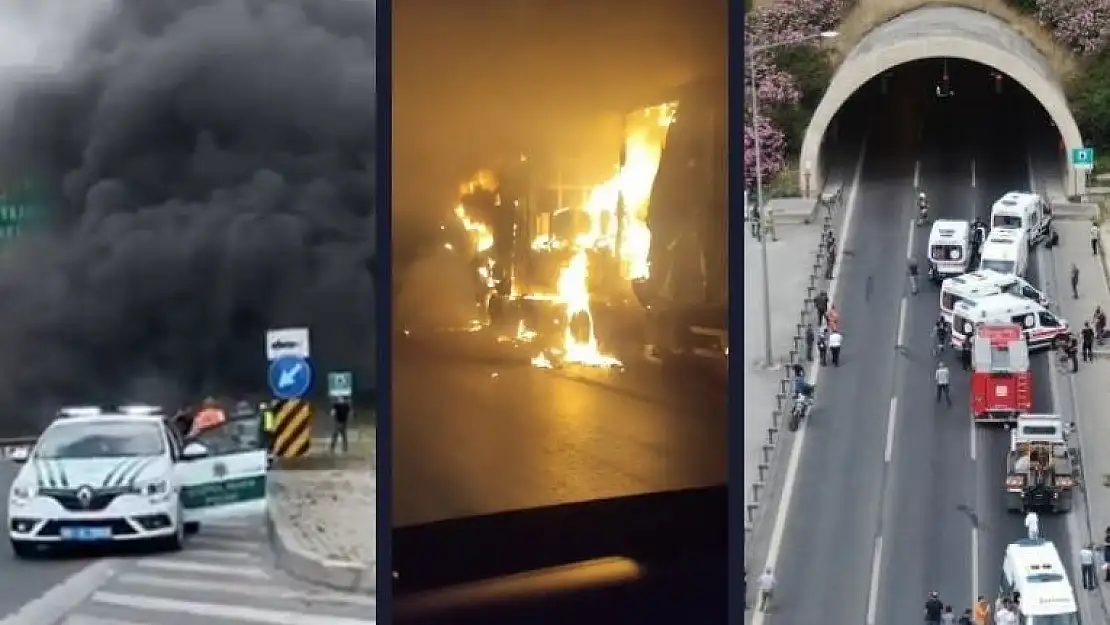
189	566
204	542
82	619
241	588
242	613
221	554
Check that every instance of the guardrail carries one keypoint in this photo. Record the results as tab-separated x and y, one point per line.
821	275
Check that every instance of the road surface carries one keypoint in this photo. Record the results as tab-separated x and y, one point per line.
473	437
225	576
897	496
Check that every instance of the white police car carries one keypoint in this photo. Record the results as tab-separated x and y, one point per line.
98	476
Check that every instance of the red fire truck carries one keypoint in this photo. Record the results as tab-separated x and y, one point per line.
1001	382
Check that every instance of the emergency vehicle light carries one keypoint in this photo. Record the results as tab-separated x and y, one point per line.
1065	481
140	409
1015	481
79	411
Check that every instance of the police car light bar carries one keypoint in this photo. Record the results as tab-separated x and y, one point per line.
140	409
79	411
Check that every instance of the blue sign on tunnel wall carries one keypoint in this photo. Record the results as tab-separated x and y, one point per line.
1083	158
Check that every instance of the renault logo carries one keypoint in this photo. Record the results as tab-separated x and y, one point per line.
84	495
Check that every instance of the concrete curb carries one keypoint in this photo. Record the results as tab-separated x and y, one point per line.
309	567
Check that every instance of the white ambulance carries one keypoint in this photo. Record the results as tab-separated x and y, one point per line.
1005	251
980	284
1027	212
1039	325
949	248
1033	571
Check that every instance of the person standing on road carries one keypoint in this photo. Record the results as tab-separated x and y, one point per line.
1074	281
1106	554
1088	342
831	263
948	617
1087	566
965	354
912	269
1033	525
769	223
965	618
810	337
766	589
943	377
1100	324
756	221
982	611
835	341
823	346
933	609
341	415
1005	615
821	304
1073	352
832	318
1094	239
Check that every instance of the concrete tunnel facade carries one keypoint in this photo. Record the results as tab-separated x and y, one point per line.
942	32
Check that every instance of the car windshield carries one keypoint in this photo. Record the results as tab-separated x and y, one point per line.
1001	266
240	433
1006	221
100	439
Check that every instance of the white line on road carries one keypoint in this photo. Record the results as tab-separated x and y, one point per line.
909	241
890	421
974	563
974	442
916	174
228	612
63	598
973	173
783	512
902	323
873	591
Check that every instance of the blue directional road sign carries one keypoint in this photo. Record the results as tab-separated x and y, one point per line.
290	377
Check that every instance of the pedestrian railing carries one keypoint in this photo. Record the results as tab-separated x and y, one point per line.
768	467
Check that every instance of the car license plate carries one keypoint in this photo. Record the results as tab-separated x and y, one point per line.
86	533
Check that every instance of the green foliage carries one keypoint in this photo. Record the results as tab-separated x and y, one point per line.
811	68
1028	7
1089	96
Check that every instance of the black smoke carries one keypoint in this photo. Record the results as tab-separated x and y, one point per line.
210	168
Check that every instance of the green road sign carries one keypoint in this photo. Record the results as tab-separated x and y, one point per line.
1083	158
340	383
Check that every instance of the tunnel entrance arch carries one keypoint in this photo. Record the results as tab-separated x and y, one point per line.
942	32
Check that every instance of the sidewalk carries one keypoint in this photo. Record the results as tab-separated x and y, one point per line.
321	517
1079	397
790	260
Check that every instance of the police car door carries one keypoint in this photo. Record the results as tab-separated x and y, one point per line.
231	480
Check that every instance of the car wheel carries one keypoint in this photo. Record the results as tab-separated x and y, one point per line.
24	550
176	542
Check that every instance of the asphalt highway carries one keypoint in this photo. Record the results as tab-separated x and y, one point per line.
477	436
20	581
897	495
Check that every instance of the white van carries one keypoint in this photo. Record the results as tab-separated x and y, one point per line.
979	284
1038	324
1005	251
949	248
1027	212
1032	570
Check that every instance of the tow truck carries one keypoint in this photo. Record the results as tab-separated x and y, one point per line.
1001	381
1041	472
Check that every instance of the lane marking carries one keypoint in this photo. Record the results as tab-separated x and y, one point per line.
909	240
229	612
186	566
891	419
873	591
974	564
902	323
64	597
916	174
973	173
183	585
779	527
974	436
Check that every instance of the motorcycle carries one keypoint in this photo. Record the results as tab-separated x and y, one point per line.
800	410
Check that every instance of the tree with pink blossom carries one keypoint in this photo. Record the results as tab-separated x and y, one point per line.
772	145
1081	25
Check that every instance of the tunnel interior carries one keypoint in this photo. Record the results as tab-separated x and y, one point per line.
932	118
